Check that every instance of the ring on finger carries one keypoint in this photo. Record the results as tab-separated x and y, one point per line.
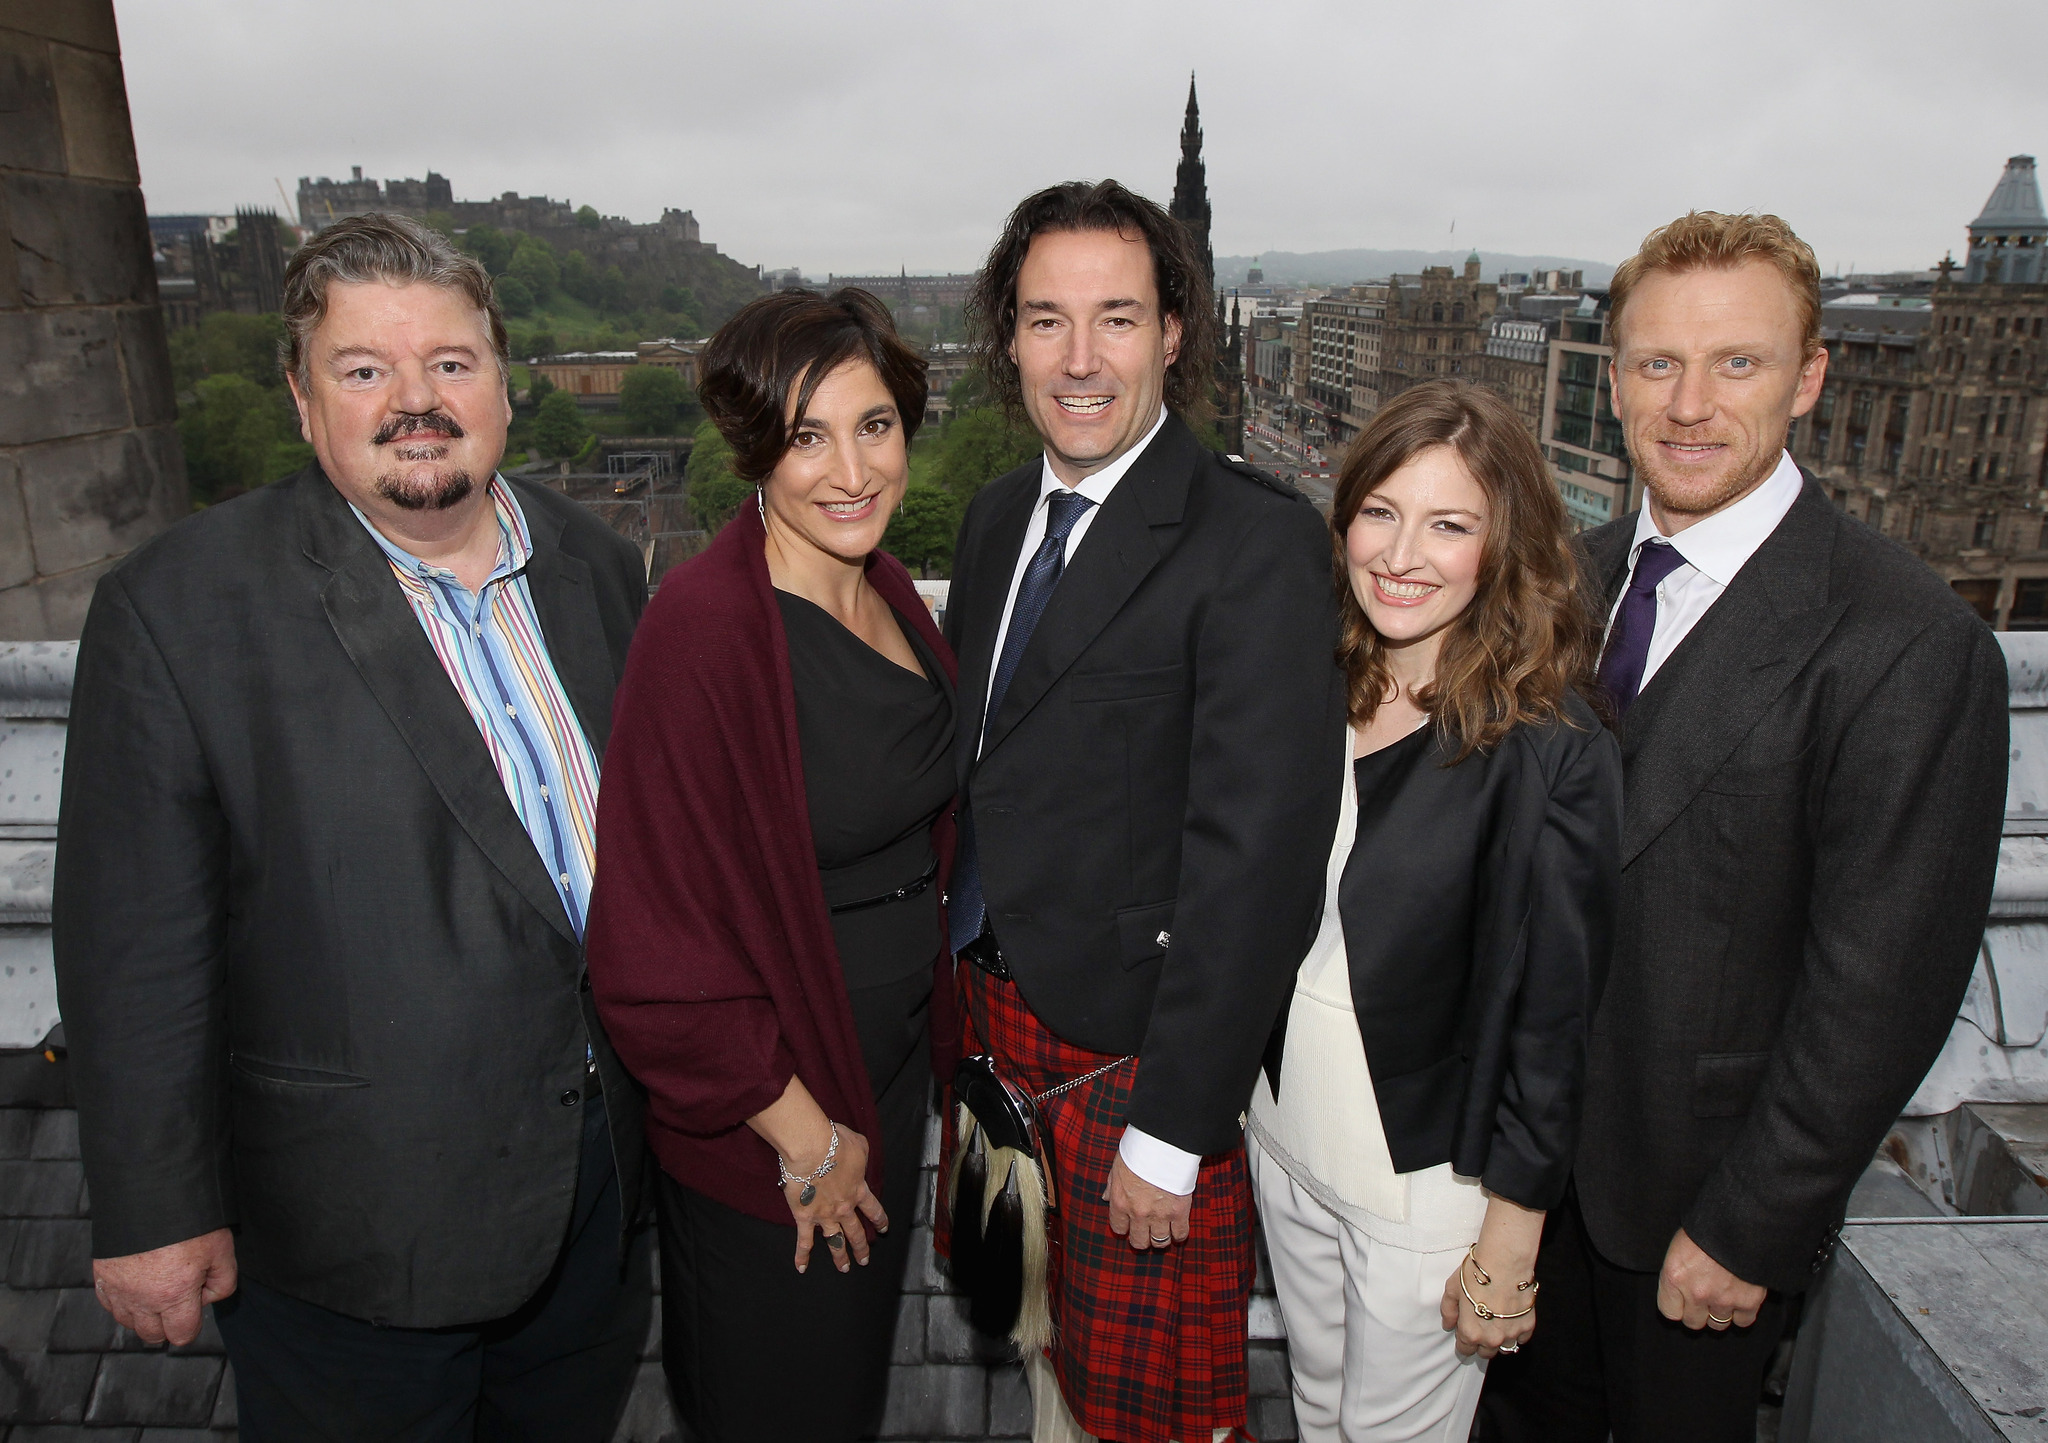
835	1241
1724	1322
1509	1348
1162	1242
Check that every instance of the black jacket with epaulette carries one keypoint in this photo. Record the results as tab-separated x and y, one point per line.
1151	805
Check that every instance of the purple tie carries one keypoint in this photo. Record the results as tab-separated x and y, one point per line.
1628	641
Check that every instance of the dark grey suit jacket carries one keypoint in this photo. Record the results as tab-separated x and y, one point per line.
1152	805
1815	786
316	980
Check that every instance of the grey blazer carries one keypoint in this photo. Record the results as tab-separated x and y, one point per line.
1814	790
315	978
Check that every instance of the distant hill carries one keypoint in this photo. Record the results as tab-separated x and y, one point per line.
1342	268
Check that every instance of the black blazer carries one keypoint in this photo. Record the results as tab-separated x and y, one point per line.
1478	907
1815	791
315	978
1147	803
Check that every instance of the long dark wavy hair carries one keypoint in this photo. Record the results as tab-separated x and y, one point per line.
1530	635
1102	205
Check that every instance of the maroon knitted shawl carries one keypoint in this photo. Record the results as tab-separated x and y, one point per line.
710	944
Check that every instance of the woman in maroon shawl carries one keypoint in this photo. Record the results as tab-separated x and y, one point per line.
766	940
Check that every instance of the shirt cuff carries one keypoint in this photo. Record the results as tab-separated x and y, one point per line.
1162	1164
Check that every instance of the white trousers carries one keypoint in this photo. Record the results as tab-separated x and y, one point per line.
1365	1337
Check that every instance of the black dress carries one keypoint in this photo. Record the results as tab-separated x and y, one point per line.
753	1349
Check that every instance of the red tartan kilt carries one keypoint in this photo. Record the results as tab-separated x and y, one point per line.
1150	1346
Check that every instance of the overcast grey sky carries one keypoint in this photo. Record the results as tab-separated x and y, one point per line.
850	137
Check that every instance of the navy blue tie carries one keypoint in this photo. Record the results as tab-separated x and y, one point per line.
968	909
1628	641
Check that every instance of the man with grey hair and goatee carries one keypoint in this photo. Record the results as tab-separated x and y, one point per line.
324	860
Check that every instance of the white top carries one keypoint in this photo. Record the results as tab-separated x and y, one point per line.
1325	1128
1159	1163
1714	550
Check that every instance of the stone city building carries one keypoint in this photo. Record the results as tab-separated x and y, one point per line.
1342	390
1435	325
1580	434
89	460
1933	425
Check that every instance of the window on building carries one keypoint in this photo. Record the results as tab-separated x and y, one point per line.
1893	450
1976	463
1856	439
1458	312
2004	414
1985	530
1875	516
1826	410
1821	436
2029	604
1913	526
1859	409
1436	312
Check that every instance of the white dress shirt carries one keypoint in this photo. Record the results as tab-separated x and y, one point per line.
1159	1163
1714	550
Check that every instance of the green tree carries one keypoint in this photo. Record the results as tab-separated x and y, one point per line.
588	218
921	533
534	263
979	446
515	296
490	246
678	299
227	344
238	435
439	220
650	399
559	428
577	278
715	493
539	389
611	289
541	343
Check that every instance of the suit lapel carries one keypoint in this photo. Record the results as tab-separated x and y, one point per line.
1117	553
383	639
1719	682
983	608
567	607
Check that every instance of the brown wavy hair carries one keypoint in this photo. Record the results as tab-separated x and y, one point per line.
1530	636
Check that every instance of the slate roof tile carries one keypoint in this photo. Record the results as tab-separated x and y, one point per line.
154	1388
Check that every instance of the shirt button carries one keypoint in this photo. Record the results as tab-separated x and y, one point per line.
543	793
565	879
571	1098
511	711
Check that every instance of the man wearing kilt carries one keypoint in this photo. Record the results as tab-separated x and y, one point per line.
1147	633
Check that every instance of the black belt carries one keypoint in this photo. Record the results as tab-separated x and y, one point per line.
902	893
985	954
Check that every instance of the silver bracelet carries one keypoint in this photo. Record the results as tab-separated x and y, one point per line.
810	1192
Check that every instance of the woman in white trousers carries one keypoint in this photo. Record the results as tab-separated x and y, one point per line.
1420	1099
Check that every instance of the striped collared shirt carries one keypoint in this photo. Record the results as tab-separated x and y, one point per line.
491	646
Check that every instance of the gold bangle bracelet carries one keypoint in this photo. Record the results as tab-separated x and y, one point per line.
1531	1287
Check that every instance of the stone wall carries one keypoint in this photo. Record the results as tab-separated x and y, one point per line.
89	459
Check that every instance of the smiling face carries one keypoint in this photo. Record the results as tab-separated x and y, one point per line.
1414	552
1709	370
402	399
838	484
1091	346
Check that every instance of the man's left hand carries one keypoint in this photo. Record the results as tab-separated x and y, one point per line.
1695	1290
1147	1216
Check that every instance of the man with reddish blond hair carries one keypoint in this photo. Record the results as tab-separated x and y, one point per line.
1813	734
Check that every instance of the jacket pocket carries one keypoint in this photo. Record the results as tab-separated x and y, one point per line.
1144	933
1127	685
290	1075
1724	1083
